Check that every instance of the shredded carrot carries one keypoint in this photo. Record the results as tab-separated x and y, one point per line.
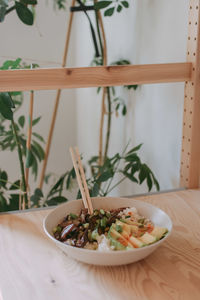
123	242
150	228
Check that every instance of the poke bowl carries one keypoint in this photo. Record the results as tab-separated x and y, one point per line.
121	241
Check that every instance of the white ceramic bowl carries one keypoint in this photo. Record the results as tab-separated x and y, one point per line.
107	258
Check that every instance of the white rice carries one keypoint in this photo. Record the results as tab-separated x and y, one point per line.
128	210
104	244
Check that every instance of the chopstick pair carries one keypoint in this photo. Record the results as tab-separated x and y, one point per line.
81	179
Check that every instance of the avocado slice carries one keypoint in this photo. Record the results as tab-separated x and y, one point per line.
128	221
95	235
125	227
147	238
119	237
128	228
158	232
134	229
136	242
117	245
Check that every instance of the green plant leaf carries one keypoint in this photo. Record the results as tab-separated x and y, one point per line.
36	153
21	121
11	64
38	193
33	2
35	121
127	167
119	8
16	63
131	177
121	62
70	176
29	158
14	202
149	182
61	3
8	100
78	196
113	90
109	12
142	173
125	4
155	181
98	89
15	185
56	200
47	177
3	7
102	4
95	190
36	197
132	157
15	94
117	106
40	151
58	183
129	87
58	186
124	110
3	203
135	167
93	159
34	168
134	149
3	179
38	136
6	104
105	176
24	13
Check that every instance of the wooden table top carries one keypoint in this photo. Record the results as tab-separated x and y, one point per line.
32	267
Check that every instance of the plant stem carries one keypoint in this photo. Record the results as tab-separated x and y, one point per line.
10	9
111	180
21	163
6	181
101	127
114	186
102	38
98	31
91	28
116	168
108	123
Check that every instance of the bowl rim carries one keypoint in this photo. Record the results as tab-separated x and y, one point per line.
103	252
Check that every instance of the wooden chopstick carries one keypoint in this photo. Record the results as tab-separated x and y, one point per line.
84	181
81	179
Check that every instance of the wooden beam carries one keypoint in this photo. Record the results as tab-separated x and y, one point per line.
62	78
190	160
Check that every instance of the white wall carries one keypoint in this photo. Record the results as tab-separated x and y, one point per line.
42	43
150	31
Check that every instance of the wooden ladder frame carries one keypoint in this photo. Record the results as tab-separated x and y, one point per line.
188	72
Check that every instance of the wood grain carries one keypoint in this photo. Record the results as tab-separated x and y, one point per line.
32	267
62	78
190	160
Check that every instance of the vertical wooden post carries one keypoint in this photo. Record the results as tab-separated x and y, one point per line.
190	158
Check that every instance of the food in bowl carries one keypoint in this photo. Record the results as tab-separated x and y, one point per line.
107	230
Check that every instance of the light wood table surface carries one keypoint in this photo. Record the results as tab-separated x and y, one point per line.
32	267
